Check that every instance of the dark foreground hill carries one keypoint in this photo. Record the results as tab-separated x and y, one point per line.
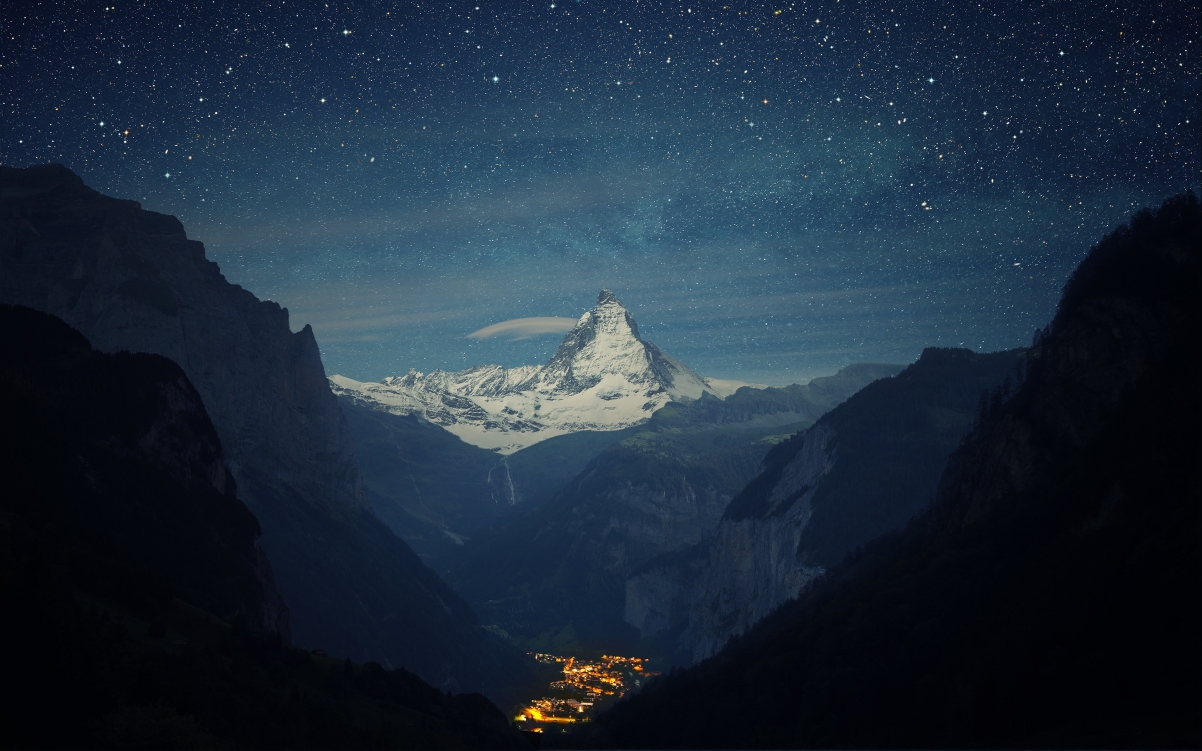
125	554
114	473
1049	597
130	279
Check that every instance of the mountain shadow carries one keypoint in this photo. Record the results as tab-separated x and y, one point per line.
130	279
864	469
125	555
112	466
1048	598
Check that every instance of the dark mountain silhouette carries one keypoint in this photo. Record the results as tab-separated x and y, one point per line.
864	469
124	551
130	279
1048	598
113	470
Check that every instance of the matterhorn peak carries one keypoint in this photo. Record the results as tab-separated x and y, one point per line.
608	297
603	376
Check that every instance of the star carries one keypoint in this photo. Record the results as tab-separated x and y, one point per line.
697	98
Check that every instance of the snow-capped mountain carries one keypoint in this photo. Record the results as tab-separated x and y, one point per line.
602	377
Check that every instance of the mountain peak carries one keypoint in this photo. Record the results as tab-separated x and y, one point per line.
608	297
603	376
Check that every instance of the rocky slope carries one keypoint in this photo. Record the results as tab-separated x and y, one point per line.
133	582
554	576
112	466
864	469
130	279
1122	316
602	377
1048	598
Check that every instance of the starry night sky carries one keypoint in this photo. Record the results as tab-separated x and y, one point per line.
773	190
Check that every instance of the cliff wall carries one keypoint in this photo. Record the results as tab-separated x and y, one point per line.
130	279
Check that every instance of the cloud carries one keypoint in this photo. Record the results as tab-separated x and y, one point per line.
525	328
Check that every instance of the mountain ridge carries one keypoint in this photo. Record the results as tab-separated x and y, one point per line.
130	279
862	470
603	376
1047	599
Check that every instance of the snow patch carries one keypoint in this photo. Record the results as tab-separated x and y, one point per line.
724	388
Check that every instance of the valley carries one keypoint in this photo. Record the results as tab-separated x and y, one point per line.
212	543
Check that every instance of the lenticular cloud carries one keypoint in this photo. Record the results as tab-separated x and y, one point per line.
525	328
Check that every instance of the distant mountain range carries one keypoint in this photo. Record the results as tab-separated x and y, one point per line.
446	456
602	377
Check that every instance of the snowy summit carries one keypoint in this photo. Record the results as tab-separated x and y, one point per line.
602	377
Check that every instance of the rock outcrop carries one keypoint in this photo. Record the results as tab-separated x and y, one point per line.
753	560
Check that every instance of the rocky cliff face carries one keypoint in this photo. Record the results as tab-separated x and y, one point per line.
111	463
864	469
753	562
658	596
748	566
131	280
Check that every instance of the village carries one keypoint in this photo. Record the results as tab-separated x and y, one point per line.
585	685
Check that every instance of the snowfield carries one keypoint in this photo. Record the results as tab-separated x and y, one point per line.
602	377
